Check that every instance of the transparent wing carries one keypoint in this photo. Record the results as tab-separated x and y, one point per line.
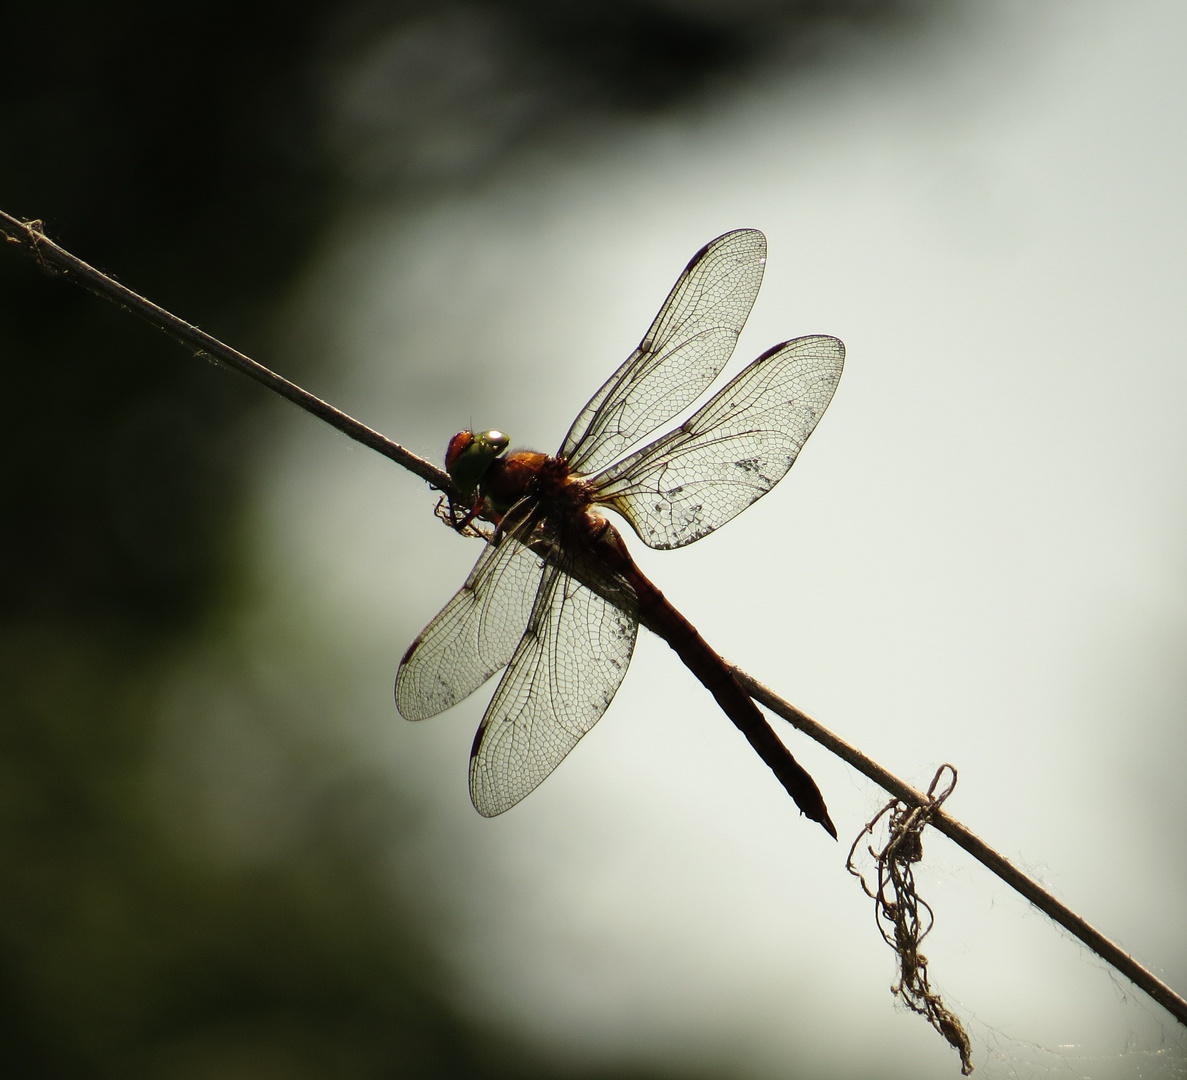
685	349
730	452
562	677
476	633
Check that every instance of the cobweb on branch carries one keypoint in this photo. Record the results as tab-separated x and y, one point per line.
904	918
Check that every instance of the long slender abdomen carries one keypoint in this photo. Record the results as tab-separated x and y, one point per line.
714	674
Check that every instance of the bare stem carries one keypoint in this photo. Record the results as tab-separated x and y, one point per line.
29	235
1107	950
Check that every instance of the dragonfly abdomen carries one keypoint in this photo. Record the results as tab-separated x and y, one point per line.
656	613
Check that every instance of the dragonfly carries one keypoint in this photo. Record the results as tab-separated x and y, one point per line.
555	597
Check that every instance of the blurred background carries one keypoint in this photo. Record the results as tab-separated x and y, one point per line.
223	854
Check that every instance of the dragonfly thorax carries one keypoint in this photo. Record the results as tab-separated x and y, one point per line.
528	474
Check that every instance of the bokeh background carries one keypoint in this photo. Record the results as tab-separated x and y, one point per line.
222	853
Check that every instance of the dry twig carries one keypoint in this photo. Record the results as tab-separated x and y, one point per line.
30	236
904	918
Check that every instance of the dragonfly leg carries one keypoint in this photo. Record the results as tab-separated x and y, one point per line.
451	514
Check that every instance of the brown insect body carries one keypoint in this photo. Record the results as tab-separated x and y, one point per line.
547	479
555	598
592	550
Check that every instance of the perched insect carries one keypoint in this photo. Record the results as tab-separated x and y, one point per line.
528	604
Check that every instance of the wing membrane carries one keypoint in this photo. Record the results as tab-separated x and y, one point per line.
475	634
564	674
684	350
730	452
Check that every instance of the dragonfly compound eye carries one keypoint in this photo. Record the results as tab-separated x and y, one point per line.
470	455
456	445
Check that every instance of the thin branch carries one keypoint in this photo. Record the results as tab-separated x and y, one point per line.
1107	950
29	235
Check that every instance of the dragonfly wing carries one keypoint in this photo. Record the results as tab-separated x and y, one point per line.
685	349
730	452
564	674
475	634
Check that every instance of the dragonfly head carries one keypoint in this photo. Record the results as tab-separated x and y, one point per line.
469	456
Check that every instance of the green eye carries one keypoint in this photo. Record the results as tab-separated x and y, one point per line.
469	456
